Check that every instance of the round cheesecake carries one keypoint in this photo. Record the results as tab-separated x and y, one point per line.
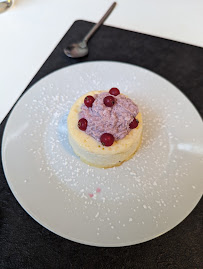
91	150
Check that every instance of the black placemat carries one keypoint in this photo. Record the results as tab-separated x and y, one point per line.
26	244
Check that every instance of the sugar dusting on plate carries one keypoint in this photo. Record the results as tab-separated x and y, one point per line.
142	181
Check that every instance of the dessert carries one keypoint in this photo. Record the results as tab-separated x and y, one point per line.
104	128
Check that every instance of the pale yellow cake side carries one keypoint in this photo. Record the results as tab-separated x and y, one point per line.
94	153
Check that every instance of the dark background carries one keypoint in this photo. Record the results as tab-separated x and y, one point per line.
26	244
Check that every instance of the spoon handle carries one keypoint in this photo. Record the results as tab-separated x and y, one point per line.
96	26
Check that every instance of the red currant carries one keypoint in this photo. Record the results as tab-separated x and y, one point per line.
134	124
109	101
107	139
89	100
82	124
114	91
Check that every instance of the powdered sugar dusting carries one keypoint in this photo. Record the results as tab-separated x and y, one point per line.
136	180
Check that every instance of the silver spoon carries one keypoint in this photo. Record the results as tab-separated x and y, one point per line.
80	49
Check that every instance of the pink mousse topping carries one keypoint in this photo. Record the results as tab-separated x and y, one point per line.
114	120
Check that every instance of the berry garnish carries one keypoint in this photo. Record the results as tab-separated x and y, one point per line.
89	100
114	91
134	124
82	124
107	139
109	101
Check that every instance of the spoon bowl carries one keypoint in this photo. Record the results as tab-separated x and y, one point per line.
76	50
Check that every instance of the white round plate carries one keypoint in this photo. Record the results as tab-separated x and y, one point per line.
138	201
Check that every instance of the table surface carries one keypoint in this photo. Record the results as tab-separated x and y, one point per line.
30	30
26	244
